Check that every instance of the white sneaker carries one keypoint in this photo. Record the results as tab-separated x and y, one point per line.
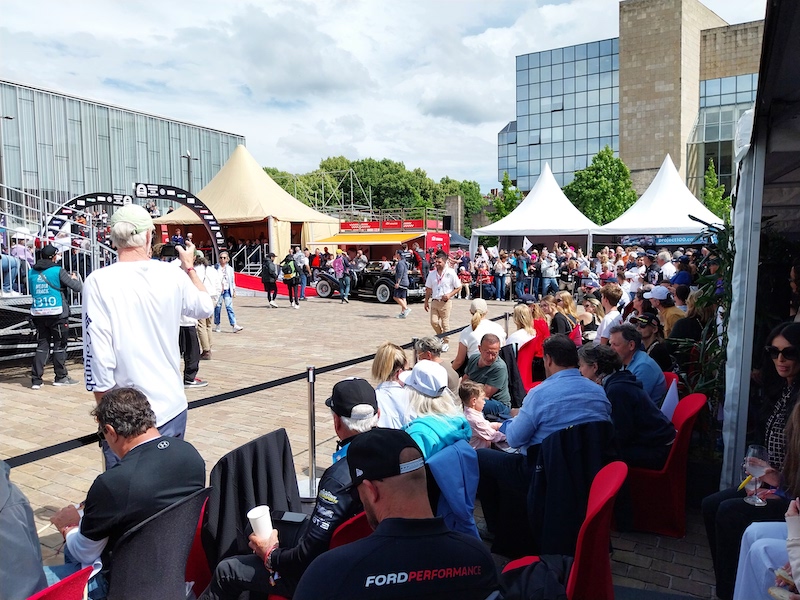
237	328
217	329
445	347
296	305
406	312
272	304
11	294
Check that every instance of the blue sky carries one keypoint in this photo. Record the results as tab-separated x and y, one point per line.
426	82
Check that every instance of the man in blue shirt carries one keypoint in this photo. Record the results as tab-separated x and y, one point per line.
562	400
626	340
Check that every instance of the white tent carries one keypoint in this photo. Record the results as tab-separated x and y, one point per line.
663	209
545	211
242	192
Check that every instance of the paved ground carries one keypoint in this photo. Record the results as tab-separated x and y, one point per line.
277	343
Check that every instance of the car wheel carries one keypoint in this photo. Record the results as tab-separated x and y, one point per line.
324	289
383	293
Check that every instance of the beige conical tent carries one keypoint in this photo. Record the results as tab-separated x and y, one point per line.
242	192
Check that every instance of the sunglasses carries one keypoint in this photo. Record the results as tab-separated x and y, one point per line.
789	353
641	325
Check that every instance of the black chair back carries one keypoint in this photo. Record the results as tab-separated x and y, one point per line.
149	561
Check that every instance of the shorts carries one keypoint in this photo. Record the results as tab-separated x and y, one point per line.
400	292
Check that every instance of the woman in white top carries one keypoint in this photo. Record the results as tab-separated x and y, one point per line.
524	322
471	334
393	401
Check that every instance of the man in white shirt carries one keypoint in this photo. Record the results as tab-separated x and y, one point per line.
440	287
131	315
664	260
226	274
610	295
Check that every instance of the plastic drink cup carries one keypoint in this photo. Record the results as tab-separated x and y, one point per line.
261	521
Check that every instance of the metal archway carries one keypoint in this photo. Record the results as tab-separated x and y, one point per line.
142	191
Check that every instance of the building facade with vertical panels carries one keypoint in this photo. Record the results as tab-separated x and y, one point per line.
56	147
654	90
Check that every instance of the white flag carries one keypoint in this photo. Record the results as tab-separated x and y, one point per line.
526	243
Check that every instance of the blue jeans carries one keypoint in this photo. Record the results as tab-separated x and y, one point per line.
173	428
537	281
495	407
520	287
10	271
549	286
98	586
303	283
344	287
500	284
228	299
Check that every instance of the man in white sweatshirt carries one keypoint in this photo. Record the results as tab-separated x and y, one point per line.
131	320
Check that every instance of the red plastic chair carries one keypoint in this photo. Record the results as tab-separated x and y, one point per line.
590	575
197	568
659	497
69	588
670	377
355	528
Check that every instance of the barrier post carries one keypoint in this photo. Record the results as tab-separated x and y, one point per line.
414	350
508	315
312	437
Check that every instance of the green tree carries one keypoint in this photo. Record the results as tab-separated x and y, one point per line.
507	201
714	193
603	190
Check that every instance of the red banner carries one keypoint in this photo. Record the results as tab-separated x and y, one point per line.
364	226
438	240
393	224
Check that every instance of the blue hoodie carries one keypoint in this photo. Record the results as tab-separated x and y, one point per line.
435	432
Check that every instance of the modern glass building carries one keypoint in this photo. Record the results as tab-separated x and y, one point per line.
567	111
674	82
57	147
722	102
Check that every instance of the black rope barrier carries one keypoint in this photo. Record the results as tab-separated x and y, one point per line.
85	440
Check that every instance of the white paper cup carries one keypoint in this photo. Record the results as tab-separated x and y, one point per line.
261	521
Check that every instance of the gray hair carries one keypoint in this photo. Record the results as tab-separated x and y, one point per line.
430	344
123	235
364	418
665	256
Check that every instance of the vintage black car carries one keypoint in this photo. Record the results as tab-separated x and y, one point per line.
372	282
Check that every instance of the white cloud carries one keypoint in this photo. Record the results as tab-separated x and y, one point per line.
426	82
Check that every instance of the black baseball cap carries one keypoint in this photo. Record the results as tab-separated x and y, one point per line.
49	251
646	319
375	455
350	393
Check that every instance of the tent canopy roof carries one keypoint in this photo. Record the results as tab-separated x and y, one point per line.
242	192
663	209
544	211
369	239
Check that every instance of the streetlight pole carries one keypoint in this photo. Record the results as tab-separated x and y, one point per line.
189	158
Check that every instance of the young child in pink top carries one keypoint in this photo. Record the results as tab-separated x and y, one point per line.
484	433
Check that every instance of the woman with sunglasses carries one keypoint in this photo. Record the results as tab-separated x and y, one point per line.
725	513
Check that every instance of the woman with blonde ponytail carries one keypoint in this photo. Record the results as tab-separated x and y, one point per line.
471	334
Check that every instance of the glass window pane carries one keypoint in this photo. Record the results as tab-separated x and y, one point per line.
545	151
534	90
580	67
546	119
605	96
744	83
728	85
569	86
727	99
580	52
557	87
569	69
580	99
593	113
592	130
558	165
545	103
546	135
558	118
569	101
615	129
569	133
533	76
569	53
726	131
580	83
580	131
522	122
569	147
522	62
523	153
580	115
523	137
592	146
605	128
712	87
606	80
533	106
605	112
557	71
535	151
593	49
593	66
522	92
557	134
593	82
522	77
615	111
524	182
534	122
545	58
522	108
522	169
580	148
743	96
605	47
593	97
726	115
615	94
545	73
557	56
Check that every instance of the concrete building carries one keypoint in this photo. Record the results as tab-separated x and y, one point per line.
54	146
674	81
